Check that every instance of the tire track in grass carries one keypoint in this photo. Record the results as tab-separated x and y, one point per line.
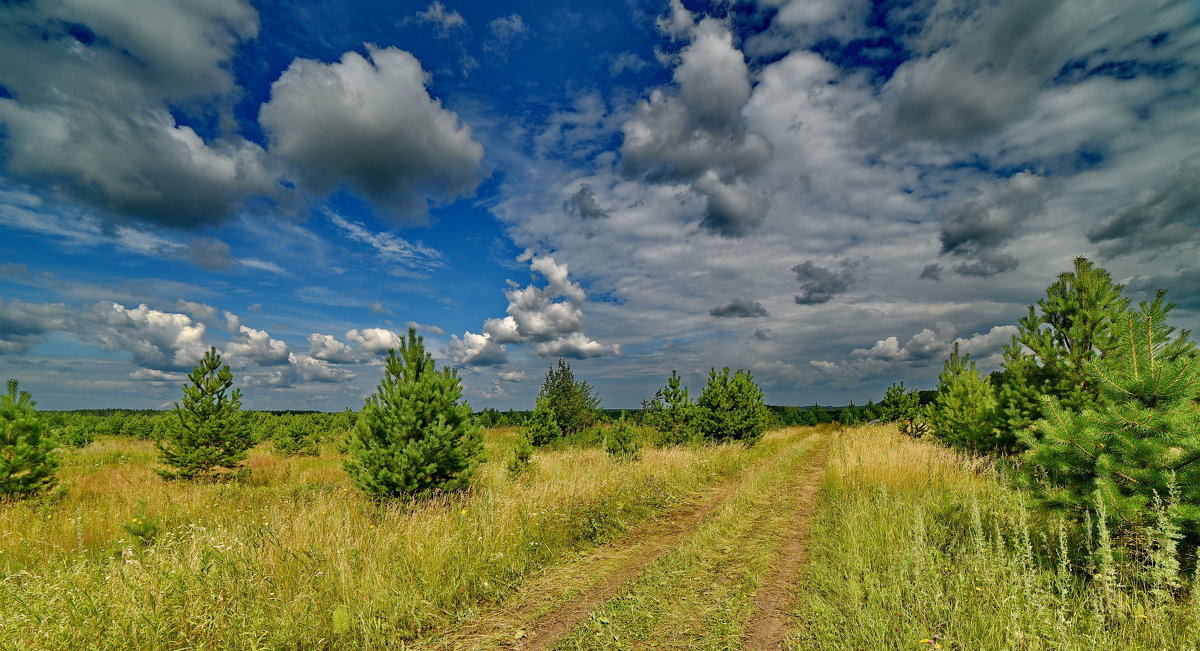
701	593
775	600
548	608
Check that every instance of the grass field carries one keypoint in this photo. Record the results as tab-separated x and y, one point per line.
910	546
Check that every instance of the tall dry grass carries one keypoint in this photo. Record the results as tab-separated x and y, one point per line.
293	557
915	546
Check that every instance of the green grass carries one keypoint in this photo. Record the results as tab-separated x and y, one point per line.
293	557
914	545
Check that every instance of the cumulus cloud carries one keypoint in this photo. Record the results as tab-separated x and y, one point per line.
164	341
445	20
695	133
24	325
575	346
250	346
549	316
764	334
820	284
369	123
512	376
96	116
931	271
209	315
310	369
928	345
740	308
476	350
977	230
1160	218
328	348
534	314
583	204
374	341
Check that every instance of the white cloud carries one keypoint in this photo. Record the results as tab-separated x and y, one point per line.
576	346
369	122
414	256
445	20
250	346
374	341
329	349
157	340
94	117
476	350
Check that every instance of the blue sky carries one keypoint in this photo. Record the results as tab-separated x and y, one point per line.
829	193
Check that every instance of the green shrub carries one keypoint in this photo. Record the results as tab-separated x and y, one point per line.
27	458
210	431
964	412
541	428
294	437
572	401
731	408
522	453
414	437
672	413
1140	442
620	442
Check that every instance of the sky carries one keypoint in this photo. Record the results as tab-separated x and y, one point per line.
827	193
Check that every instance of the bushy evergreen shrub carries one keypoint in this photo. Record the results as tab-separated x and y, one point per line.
414	437
731	408
27	457
210	430
295	437
522	456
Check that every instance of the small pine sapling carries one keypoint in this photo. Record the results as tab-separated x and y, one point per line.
27	457
573	402
541	426
902	406
620	441
210	431
522	453
414	437
731	408
295	438
963	413
672	413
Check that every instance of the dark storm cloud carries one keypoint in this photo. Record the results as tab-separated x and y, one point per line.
764	334
583	204
931	271
820	284
1162	218
740	308
978	229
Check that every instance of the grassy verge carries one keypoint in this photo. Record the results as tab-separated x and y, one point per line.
699	595
294	558
916	547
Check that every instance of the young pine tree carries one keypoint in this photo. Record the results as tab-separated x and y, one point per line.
964	411
541	428
899	405
1069	328
731	408
210	431
1142	436
522	456
414	437
620	442
572	401
27	458
672	413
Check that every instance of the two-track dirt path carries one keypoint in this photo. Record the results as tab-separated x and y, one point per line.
546	610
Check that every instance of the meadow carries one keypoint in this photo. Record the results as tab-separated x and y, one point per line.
909	545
